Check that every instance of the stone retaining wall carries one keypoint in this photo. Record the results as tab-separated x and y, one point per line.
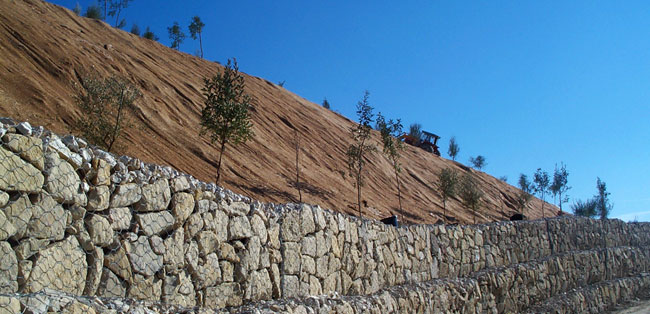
81	221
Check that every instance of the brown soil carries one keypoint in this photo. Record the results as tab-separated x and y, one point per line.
42	45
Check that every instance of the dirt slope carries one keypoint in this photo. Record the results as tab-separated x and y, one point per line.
41	46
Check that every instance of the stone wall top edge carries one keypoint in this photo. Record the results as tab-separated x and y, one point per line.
86	152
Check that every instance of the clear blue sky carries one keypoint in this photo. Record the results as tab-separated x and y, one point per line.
527	84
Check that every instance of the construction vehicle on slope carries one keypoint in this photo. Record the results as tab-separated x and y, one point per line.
428	141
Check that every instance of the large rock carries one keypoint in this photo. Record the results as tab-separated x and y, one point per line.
99	229
290	230
259	228
62	181
48	219
237	209
98	198
143	259
179	184
259	286
208	273
101	172
7	229
178	289
118	262
62	266
95	267
110	285
9	304
29	148
182	207
29	246
8	269
155	197
148	288
125	195
18	212
307	219
155	223
120	218
174	251
207	241
228	294
290	286
291	258
239	228
18	175
4	198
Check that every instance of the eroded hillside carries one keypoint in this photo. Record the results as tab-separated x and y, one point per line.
42	45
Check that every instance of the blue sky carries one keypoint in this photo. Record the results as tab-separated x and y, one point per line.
526	84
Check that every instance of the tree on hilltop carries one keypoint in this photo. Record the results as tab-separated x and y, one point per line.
559	186
326	104
356	152
148	34
453	148
542	181
93	12
196	28
478	162
176	35
225	116
525	190
603	207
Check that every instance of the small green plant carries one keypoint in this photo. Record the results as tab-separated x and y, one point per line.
135	30
356	152
148	34
390	131
176	35
326	104
525	190
503	178
453	148
585	209
478	162
542	183
281	83
448	185
225	116
77	9
106	105
415	132
93	12
559	186
196	28
603	207
470	193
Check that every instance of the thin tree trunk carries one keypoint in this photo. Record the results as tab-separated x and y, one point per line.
117	122
201	45
360	169
399	190
223	148
117	18
297	140
543	215
444	208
